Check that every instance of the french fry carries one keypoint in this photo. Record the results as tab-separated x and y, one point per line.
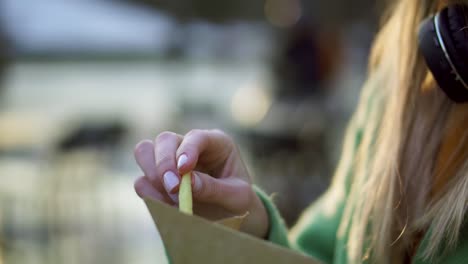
185	194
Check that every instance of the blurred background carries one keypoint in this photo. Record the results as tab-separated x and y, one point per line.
82	81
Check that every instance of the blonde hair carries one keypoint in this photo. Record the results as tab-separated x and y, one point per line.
411	168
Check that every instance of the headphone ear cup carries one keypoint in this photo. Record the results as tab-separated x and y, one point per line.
456	38
436	59
458	22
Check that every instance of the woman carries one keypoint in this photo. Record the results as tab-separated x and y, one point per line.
400	191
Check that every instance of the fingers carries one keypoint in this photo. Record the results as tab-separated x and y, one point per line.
145	189
145	158
198	142
172	155
231	193
166	167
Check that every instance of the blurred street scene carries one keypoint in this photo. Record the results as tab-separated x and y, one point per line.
82	81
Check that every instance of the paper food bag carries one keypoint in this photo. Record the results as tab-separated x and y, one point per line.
191	239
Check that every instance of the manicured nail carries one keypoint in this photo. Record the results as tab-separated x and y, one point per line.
170	181
182	161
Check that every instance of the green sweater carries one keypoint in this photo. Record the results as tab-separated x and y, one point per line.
316	233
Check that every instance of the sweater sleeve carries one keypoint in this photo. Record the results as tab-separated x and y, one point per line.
315	233
278	232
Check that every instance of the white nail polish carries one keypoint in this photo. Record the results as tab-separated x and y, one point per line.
182	160
170	181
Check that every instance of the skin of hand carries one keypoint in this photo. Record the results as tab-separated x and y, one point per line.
221	184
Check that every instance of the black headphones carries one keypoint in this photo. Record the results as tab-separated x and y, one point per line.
443	40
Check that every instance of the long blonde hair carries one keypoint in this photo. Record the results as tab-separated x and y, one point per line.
411	168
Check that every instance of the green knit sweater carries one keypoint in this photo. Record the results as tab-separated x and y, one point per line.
316	233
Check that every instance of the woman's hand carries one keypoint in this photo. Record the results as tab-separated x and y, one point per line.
221	185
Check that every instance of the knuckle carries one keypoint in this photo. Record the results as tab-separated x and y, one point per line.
140	146
189	147
223	135
158	184
195	133
164	159
166	135
139	184
218	131
211	191
246	195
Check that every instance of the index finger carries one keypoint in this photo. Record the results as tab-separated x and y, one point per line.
203	146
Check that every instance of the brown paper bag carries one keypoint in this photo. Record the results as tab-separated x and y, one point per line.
191	239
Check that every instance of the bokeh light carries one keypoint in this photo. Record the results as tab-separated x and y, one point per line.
250	104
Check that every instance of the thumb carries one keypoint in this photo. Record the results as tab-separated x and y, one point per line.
233	194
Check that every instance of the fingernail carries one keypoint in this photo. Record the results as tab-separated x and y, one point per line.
170	181
182	161
197	183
